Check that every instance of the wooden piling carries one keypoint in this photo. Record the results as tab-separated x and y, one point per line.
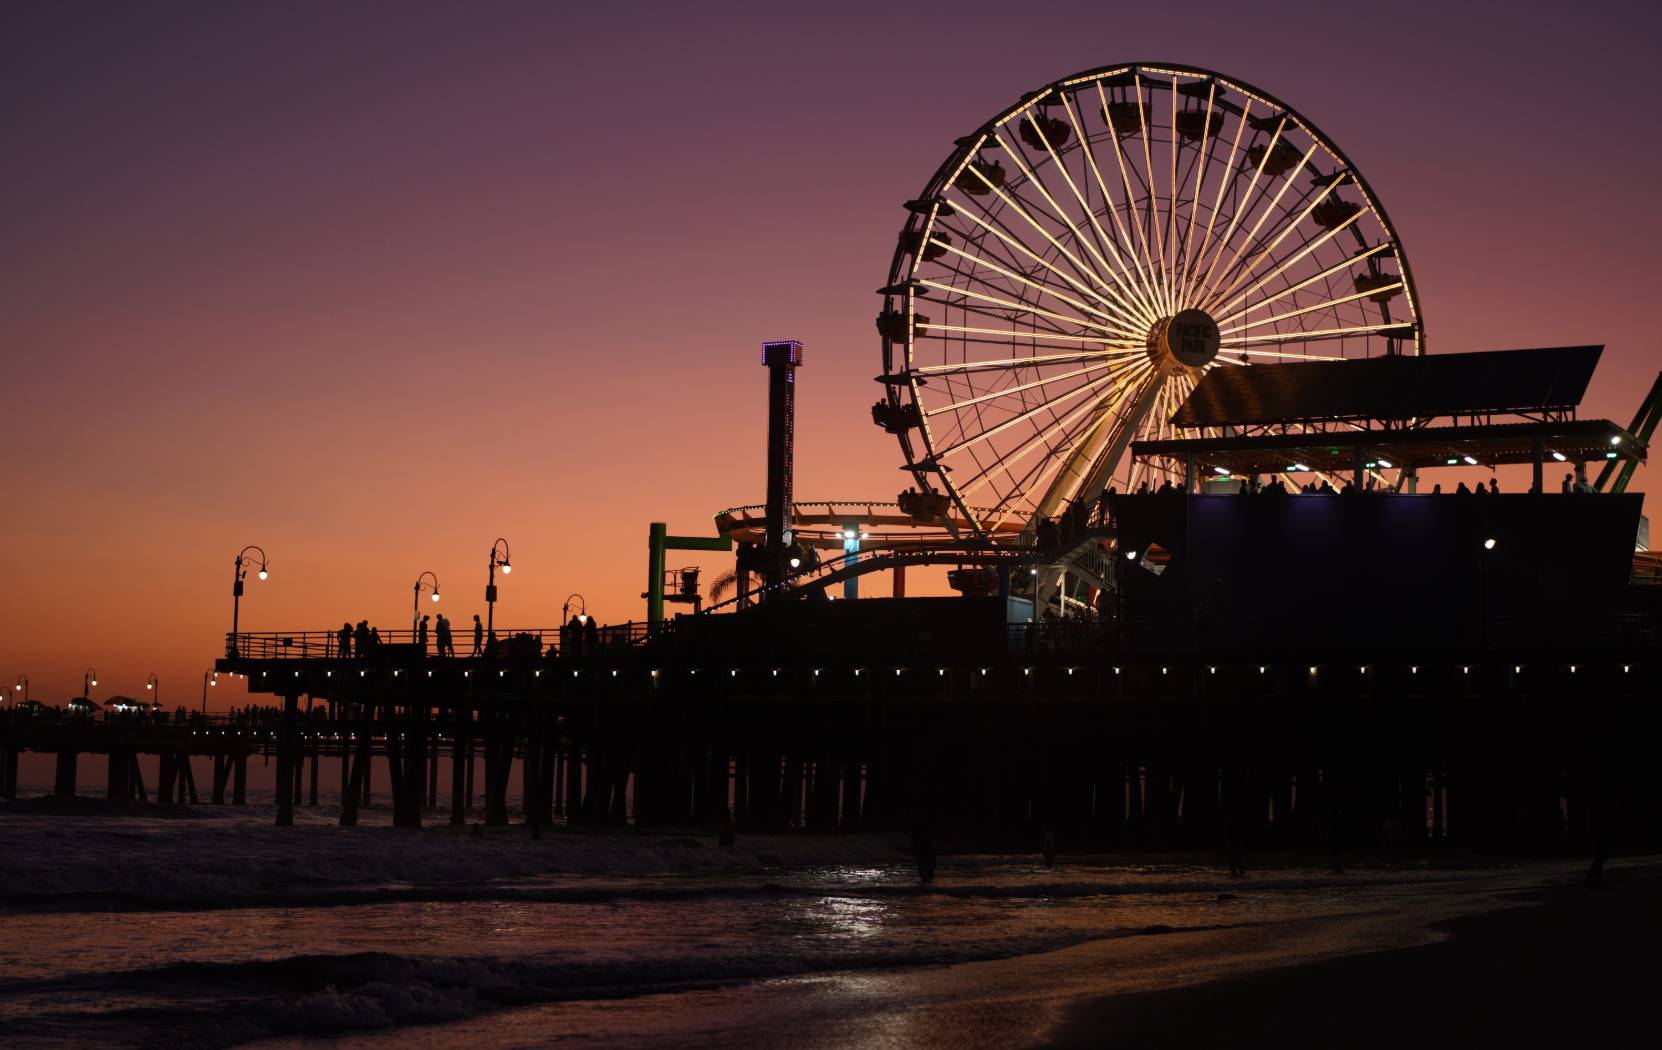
287	761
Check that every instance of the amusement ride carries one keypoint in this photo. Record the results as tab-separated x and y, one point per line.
1065	278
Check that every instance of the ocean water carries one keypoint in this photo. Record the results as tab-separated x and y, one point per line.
220	930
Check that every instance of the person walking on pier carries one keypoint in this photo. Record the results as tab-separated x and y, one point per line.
360	639
421	633
478	635
591	634
343	642
447	646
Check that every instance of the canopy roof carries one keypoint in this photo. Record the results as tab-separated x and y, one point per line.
1397	387
1576	440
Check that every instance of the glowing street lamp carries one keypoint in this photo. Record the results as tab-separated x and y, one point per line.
415	599
490	586
242	564
88	680
153	686
22	686
582	609
209	677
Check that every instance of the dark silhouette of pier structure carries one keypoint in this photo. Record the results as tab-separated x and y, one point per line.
1368	669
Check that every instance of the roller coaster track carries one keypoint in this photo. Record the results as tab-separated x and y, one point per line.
859	563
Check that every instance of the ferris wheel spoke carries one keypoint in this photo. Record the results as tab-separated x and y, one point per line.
1007	197
1006	462
1150	274
1007	363
1171	204
1203	157
1301	311
1224	183
1244	205
1102	236
1049	403
977	311
1031	174
1034	384
1316	335
1016	244
1153	197
1346	264
980	262
1125	242
1037	473
1123	345
1025	308
1111	411
1083	269
1207	291
1285	232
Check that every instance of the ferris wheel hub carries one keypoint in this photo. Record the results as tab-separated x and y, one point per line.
1187	341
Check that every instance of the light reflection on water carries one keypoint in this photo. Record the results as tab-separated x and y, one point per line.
623	937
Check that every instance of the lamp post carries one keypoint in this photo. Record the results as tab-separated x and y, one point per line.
582	609
22	686
236	589
153	686
206	682
1483	593
490	586
88	680
415	598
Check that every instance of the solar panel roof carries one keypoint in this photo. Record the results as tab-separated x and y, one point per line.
1394	388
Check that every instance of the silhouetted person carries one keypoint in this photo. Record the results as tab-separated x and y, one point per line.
478	635
1047	536
1142	490
1494	487
360	638
573	641
421	633
447	639
375	639
591	634
1569	480
1437	489
343	641
492	645
1462	490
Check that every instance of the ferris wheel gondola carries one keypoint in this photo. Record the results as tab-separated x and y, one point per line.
1080	261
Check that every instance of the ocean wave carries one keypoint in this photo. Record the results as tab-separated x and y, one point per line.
600	890
202	1004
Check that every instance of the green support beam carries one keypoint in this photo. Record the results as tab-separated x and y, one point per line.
1644	425
659	540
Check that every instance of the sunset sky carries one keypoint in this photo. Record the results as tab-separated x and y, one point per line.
372	284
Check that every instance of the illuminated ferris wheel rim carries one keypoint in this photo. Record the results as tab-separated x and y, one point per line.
1095	286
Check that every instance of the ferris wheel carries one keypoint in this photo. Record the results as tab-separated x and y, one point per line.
1082	259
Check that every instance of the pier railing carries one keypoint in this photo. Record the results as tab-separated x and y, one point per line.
517	643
